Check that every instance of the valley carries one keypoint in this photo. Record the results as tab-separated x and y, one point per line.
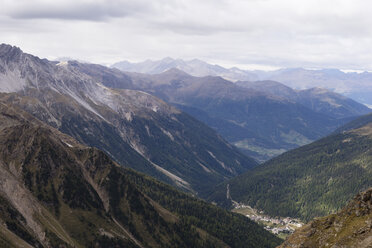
136	129
280	226
185	124
310	181
92	156
56	192
262	122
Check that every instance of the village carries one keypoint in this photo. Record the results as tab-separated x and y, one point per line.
280	226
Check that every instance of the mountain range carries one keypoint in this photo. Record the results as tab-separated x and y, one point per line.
261	119
71	134
56	192
193	67
311	181
356	85
134	128
317	99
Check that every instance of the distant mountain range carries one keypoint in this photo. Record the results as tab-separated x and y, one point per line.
317	99
310	181
136	129
262	118
352	84
357	86
193	67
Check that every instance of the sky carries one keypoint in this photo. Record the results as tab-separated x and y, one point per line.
251	34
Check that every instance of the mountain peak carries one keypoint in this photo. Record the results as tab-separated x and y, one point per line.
167	60
175	71
9	51
198	61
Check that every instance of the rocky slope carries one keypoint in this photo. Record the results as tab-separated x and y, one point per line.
134	128
310	181
350	227
55	192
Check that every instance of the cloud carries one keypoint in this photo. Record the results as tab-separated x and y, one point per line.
76	10
280	33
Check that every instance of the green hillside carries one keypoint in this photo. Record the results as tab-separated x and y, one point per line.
314	180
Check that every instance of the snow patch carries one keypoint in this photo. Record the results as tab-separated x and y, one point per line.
128	116
69	145
62	63
155	108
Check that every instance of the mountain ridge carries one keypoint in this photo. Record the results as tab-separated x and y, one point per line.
346	83
259	123
193	67
133	127
317	99
174	86
56	192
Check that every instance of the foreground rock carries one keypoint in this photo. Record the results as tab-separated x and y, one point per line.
351	227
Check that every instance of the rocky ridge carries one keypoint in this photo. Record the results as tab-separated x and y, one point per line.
350	227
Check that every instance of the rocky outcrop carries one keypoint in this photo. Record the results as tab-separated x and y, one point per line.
351	227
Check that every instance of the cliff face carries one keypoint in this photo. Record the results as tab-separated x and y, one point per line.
351	227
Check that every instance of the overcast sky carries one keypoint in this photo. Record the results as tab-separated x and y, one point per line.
246	33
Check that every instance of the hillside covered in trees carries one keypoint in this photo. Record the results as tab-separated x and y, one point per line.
313	180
